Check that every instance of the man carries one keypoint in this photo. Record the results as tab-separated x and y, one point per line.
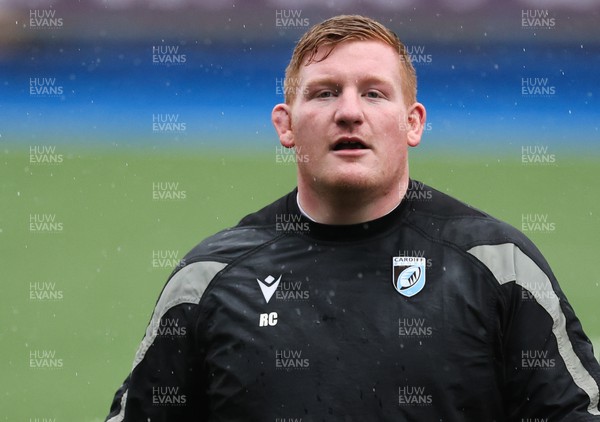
333	320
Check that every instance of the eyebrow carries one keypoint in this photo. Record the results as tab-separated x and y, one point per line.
331	80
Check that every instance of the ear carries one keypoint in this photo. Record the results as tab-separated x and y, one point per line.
282	120
416	122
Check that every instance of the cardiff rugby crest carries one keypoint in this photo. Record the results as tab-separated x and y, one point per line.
408	274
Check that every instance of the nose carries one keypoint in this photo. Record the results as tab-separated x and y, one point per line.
349	111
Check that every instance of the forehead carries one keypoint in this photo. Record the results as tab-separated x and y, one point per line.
356	59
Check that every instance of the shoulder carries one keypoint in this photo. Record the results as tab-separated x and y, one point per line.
213	255
253	231
451	221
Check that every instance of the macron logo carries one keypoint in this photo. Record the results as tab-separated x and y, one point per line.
268	286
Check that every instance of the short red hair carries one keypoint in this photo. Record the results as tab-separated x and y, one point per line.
338	29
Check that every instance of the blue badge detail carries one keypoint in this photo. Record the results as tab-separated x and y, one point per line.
408	274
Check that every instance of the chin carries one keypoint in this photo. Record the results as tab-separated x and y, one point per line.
354	183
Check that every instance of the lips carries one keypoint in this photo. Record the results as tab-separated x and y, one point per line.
346	143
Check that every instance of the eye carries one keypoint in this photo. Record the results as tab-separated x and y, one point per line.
325	94
373	94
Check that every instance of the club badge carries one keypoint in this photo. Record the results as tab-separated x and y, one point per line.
408	274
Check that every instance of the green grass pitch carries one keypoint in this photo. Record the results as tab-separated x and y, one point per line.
103	227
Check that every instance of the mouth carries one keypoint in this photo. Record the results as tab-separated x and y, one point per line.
349	144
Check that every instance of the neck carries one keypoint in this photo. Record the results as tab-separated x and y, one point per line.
350	207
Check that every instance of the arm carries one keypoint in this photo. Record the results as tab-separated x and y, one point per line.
550	372
166	382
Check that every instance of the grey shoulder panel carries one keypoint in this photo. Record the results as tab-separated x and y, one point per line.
186	286
508	263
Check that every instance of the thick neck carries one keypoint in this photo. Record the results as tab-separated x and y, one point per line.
350	207
346	232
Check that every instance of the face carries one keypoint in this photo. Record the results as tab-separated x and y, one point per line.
350	122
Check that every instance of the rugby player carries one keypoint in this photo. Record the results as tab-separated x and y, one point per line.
362	295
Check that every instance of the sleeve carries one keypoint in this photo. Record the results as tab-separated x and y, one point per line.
166	382
549	369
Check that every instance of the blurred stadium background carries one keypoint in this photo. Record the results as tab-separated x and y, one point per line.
132	129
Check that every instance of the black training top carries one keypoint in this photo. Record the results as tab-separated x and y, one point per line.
434	312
